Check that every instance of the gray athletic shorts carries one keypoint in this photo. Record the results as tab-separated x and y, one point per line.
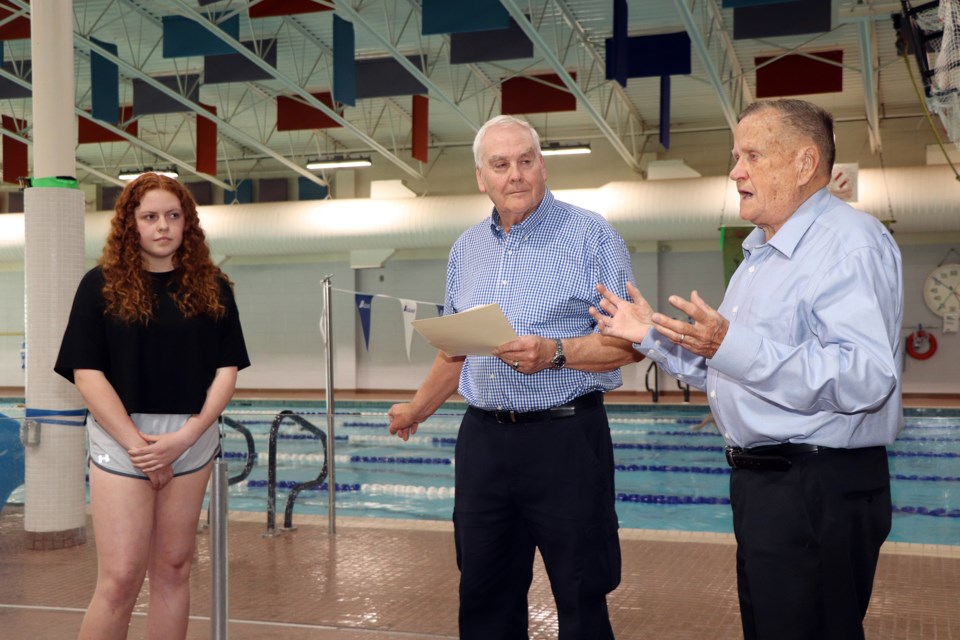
109	455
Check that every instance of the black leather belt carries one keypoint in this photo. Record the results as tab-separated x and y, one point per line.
568	410
775	457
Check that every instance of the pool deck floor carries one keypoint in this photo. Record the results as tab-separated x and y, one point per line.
397	580
378	579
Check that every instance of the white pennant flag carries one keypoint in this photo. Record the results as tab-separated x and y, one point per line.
409	309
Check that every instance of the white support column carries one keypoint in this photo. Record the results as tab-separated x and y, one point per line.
55	508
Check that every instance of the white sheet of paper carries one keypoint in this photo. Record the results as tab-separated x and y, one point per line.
474	332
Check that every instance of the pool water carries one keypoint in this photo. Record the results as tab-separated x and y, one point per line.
669	476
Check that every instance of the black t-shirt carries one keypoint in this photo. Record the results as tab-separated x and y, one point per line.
163	366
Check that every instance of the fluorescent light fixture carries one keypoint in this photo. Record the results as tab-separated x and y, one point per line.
557	149
127	176
338	162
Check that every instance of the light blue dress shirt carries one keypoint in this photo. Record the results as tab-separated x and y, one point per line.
543	274
812	353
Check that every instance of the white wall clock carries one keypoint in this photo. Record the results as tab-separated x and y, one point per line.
941	290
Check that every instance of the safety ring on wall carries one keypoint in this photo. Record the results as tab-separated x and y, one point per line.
916	341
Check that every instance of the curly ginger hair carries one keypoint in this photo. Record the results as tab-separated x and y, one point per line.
128	293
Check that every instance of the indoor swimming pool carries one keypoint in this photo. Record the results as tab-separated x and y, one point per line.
669	476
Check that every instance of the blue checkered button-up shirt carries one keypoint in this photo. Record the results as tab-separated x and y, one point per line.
543	274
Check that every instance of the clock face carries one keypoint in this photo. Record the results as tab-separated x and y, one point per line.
941	290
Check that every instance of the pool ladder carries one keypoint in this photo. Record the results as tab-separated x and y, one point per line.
655	389
272	467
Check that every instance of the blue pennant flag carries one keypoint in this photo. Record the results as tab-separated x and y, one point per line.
363	309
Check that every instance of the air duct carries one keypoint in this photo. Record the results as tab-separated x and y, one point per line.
921	200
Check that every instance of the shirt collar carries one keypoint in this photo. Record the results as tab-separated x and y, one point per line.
531	221
786	239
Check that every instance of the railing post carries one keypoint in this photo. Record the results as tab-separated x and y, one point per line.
218	550
328	357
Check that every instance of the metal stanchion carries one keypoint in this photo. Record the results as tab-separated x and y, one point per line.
218	550
328	357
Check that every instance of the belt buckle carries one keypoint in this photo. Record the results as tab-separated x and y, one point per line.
502	416
730	453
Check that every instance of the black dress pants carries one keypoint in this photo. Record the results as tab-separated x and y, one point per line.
519	487
808	540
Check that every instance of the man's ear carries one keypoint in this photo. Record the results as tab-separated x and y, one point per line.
809	164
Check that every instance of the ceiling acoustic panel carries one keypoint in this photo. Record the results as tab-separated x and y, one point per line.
235	67
536	94
293	114
183	37
148	100
444	16
665	54
797	75
486	46
385	77
784	19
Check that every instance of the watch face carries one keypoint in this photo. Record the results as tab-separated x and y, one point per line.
941	291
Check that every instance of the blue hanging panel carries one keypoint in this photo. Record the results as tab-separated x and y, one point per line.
444	16
786	19
344	62
653	56
665	112
310	190
184	37
104	85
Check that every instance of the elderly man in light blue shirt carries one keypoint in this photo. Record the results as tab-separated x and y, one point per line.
802	368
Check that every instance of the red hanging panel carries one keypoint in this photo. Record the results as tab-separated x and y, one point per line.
207	142
536	94
420	132
268	8
89	131
16	29
293	114
796	75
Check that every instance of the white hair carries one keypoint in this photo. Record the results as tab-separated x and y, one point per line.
503	121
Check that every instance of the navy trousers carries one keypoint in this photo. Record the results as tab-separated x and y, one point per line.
808	540
541	485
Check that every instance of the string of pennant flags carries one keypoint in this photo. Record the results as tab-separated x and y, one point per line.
363	302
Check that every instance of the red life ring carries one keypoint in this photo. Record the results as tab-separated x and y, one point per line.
916	339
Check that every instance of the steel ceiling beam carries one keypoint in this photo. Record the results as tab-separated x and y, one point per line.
412	69
719	87
869	71
551	57
88	44
146	146
237	46
194	107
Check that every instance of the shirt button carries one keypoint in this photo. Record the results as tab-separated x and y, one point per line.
651	352
656	342
503	282
735	309
727	436
493	376
713	394
752	269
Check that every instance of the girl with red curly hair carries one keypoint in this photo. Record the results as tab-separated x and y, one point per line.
153	344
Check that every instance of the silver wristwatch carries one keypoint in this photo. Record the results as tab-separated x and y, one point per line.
559	358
